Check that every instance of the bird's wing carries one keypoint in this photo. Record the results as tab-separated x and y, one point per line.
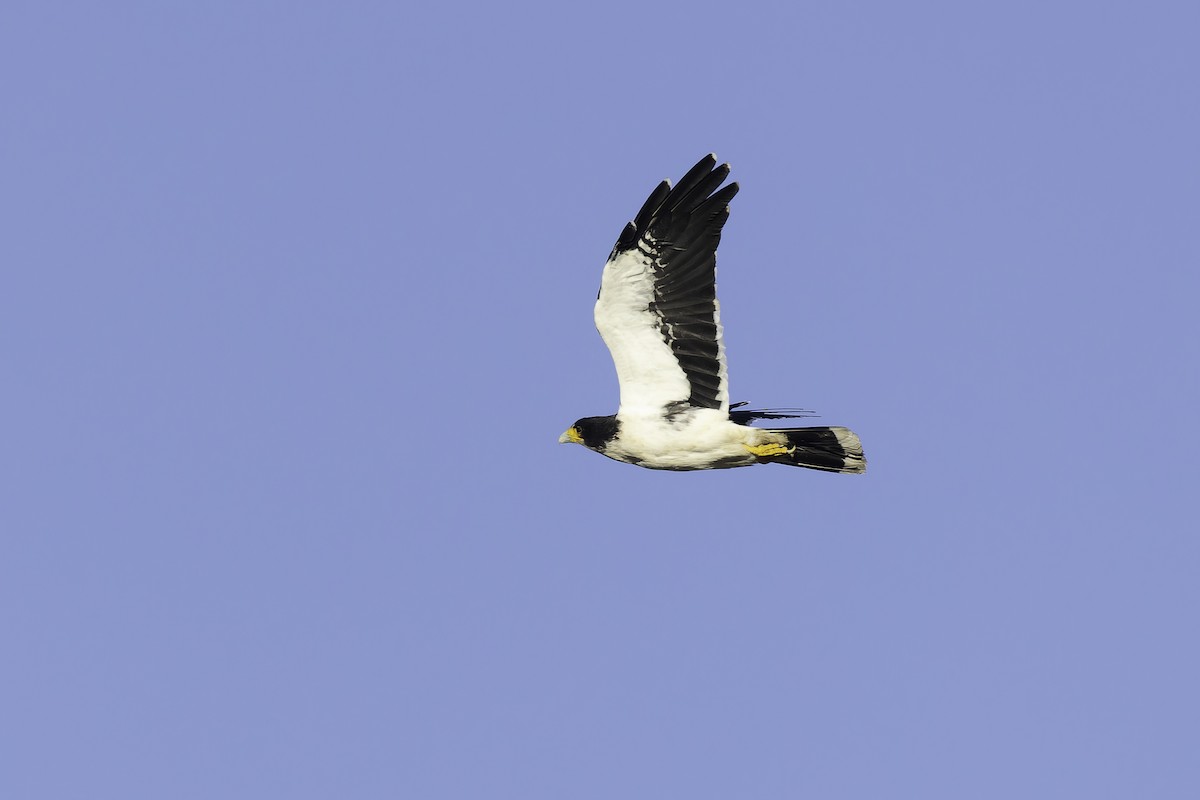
657	309
744	416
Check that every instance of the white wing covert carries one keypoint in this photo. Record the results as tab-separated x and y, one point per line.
657	309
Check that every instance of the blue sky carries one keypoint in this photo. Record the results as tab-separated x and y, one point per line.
297	300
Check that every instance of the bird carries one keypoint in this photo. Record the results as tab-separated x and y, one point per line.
657	312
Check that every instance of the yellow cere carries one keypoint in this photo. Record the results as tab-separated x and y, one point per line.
771	449
573	434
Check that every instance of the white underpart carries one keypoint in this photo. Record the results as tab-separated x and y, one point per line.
650	377
699	438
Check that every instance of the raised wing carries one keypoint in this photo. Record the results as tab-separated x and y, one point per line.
657	309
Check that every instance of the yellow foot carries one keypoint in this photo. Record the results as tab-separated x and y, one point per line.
770	449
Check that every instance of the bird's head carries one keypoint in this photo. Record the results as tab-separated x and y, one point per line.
591	432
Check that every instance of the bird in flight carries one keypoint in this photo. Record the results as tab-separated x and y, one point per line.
658	313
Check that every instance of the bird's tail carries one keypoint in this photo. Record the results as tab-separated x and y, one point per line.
828	449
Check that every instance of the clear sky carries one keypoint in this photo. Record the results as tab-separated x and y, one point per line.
296	299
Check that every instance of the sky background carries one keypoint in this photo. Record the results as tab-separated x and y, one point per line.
295	300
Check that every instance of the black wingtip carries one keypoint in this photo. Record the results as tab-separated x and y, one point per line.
699	190
711	161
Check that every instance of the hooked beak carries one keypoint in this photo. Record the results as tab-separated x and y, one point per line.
570	436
